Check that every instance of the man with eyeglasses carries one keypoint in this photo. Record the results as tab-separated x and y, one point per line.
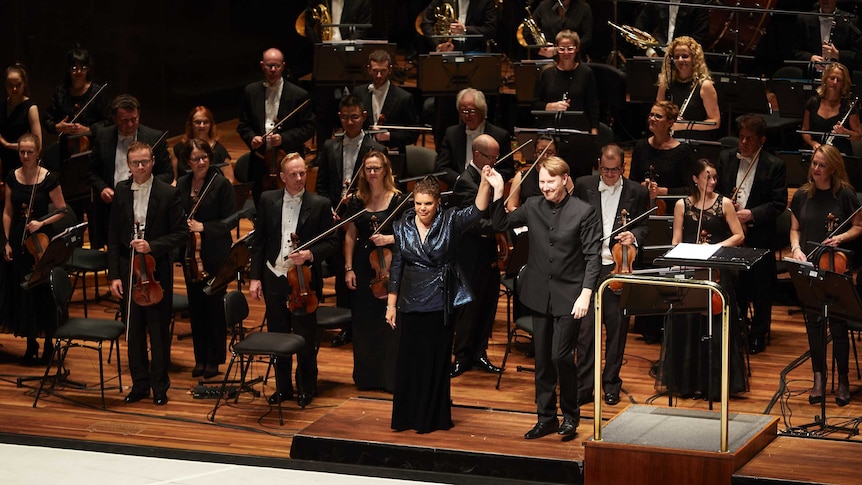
338	163
148	217
756	182
456	147
609	193
263	105
477	258
108	165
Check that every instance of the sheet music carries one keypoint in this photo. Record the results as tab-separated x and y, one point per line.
692	251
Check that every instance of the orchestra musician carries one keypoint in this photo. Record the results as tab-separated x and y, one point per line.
477	258
282	213
524	186
340	12
200	125
835	37
147	216
31	312
756	182
685	80
478	18
830	110
668	22
557	285
553	17
18	115
609	193
366	244
206	191
263	105
108	163
827	192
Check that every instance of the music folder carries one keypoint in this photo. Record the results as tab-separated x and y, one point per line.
712	256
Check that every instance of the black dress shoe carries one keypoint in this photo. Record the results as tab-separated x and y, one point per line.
458	368
542	429
136	396
198	371
757	345
303	400
210	371
482	363
343	338
569	427
160	399
612	398
275	397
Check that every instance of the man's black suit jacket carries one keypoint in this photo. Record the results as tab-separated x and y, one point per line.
478	245
330	164
165	230
690	21
452	152
353	12
845	36
315	217
481	20
104	157
634	199
398	109
294	132
768	198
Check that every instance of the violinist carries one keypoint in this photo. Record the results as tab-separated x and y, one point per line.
281	213
200	124
30	189
704	217
339	164
367	256
263	105
756	182
153	206
208	198
827	192
610	193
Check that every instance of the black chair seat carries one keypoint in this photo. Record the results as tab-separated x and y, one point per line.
333	317
179	303
525	323
88	260
90	329
271	343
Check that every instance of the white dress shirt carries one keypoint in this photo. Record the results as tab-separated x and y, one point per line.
289	219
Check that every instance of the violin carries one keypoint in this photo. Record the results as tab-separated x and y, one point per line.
302	300
194	265
704	238
655	202
146	290
273	156
830	260
38	242
81	143
380	259
623	256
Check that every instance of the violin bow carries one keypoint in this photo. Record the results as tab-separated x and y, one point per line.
349	186
516	150
88	103
523	177
629	223
281	121
745	176
700	216
201	198
327	232
835	231
32	200
394	213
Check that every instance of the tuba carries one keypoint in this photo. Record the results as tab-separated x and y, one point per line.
535	31
320	16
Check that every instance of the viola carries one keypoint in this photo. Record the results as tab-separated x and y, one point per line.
704	238
655	202
380	259
146	290
623	256
194	265
302	300
37	244
830	260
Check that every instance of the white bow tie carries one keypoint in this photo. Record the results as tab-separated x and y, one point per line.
144	186
472	132
743	158
603	187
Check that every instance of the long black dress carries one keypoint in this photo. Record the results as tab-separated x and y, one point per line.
375	343
677	93
12	125
824	125
685	353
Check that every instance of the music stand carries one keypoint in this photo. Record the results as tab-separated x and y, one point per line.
59	251
526	74
742	94
828	294
440	74
642	78
74	177
343	63
232	267
349	28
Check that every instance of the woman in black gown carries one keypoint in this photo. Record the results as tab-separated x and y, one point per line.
825	111
18	115
375	344
32	312
685	81
704	217
827	192
200	124
424	286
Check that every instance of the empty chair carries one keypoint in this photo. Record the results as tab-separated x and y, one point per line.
85	261
332	317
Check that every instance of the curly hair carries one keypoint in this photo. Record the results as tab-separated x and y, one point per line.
668	73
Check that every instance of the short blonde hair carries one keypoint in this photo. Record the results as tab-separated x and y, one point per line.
556	166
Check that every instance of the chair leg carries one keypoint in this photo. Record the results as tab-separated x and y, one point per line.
274	360
855	355
101	374
119	368
223	386
55	357
505	358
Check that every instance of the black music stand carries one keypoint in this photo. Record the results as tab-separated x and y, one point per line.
343	63
448	73
828	294
74	176
642	78
526	74
59	251
232	267
740	94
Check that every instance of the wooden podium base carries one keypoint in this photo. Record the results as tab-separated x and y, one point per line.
648	445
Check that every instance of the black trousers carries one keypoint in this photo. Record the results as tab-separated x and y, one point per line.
616	329
209	327
755	287
554	339
153	321
475	320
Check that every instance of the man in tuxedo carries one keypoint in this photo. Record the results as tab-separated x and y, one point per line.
758	180
263	105
835	37
609	193
667	22
478	18
340	12
477	257
147	215
283	212
556	285
108	165
456	148
388	104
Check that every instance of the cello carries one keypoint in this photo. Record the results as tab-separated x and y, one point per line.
623	255
194	265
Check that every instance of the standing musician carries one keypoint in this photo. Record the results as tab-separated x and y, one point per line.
19	114
108	165
29	190
147	215
557	285
685	80
836	37
668	22
340	12
830	110
471	17
610	193
756	182
477	257
200	124
387	103
208	198
553	17
338	164
282	213
263	105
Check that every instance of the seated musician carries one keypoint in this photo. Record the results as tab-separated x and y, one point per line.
471	17
830	110
200	125
828	38
686	82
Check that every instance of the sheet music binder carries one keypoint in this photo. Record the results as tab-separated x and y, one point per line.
738	258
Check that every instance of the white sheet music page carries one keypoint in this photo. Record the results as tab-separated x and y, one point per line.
692	251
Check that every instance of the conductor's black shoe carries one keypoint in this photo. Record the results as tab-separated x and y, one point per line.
136	396
343	338
482	363
303	400
757	345
275	397
612	398
458	368
569	427
542	429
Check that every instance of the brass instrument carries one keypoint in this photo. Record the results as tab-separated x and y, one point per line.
535	31
635	36
444	17
320	16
